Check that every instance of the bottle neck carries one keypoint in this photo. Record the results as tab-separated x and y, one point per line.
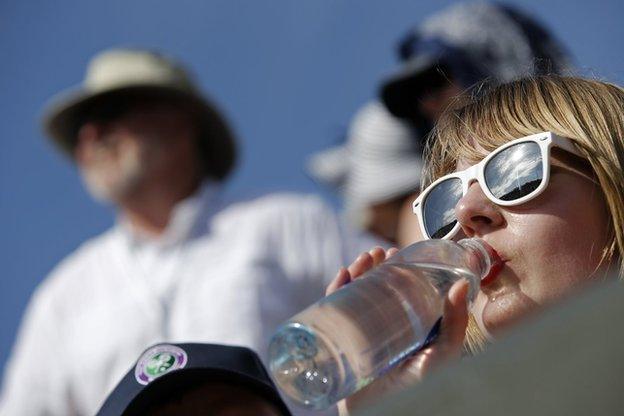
481	258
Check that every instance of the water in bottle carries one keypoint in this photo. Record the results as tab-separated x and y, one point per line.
346	340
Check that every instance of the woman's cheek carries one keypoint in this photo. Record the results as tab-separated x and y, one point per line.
477	311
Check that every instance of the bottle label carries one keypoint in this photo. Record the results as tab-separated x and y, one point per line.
433	334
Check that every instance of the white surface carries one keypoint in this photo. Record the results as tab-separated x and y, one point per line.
222	273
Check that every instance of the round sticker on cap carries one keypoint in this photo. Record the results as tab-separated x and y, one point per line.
159	360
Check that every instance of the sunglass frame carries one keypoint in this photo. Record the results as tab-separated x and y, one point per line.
545	140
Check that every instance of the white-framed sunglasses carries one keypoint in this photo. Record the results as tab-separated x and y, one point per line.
511	175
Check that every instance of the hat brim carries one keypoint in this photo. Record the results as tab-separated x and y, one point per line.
365	187
400	90
63	115
329	167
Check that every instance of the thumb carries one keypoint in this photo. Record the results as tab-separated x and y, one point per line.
455	315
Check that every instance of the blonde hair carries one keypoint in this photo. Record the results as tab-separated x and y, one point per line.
589	112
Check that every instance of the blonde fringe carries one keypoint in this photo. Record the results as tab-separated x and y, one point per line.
475	341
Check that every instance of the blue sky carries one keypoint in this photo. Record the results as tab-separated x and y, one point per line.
288	73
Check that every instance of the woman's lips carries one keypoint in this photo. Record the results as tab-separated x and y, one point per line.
493	273
495	268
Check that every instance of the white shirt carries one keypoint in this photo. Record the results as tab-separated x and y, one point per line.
220	273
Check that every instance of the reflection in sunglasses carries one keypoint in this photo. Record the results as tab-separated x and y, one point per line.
444	230
514	172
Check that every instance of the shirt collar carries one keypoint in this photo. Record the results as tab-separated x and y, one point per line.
186	218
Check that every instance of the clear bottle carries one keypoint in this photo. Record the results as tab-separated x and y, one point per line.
348	339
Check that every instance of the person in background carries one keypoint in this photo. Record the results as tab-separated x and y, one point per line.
195	379
460	46
376	172
182	262
533	168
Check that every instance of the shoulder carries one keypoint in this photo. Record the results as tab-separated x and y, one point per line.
278	206
75	272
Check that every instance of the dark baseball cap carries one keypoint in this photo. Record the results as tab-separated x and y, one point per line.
165	370
466	43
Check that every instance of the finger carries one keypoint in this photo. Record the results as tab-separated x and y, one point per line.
378	254
360	265
449	343
342	278
391	252
455	319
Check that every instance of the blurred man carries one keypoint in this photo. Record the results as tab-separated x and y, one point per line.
181	263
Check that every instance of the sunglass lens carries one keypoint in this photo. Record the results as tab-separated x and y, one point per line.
439	207
515	172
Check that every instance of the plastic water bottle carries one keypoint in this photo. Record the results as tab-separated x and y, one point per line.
353	336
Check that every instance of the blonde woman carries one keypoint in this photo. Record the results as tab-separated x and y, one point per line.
533	167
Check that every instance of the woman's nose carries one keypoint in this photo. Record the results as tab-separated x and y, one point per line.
476	214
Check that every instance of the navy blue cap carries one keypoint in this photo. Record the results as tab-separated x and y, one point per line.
166	368
469	42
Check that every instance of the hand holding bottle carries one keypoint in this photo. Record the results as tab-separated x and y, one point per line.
364	333
447	346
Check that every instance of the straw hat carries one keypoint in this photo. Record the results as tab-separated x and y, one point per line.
118	74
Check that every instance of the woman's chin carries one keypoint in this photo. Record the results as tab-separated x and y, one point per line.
504	310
